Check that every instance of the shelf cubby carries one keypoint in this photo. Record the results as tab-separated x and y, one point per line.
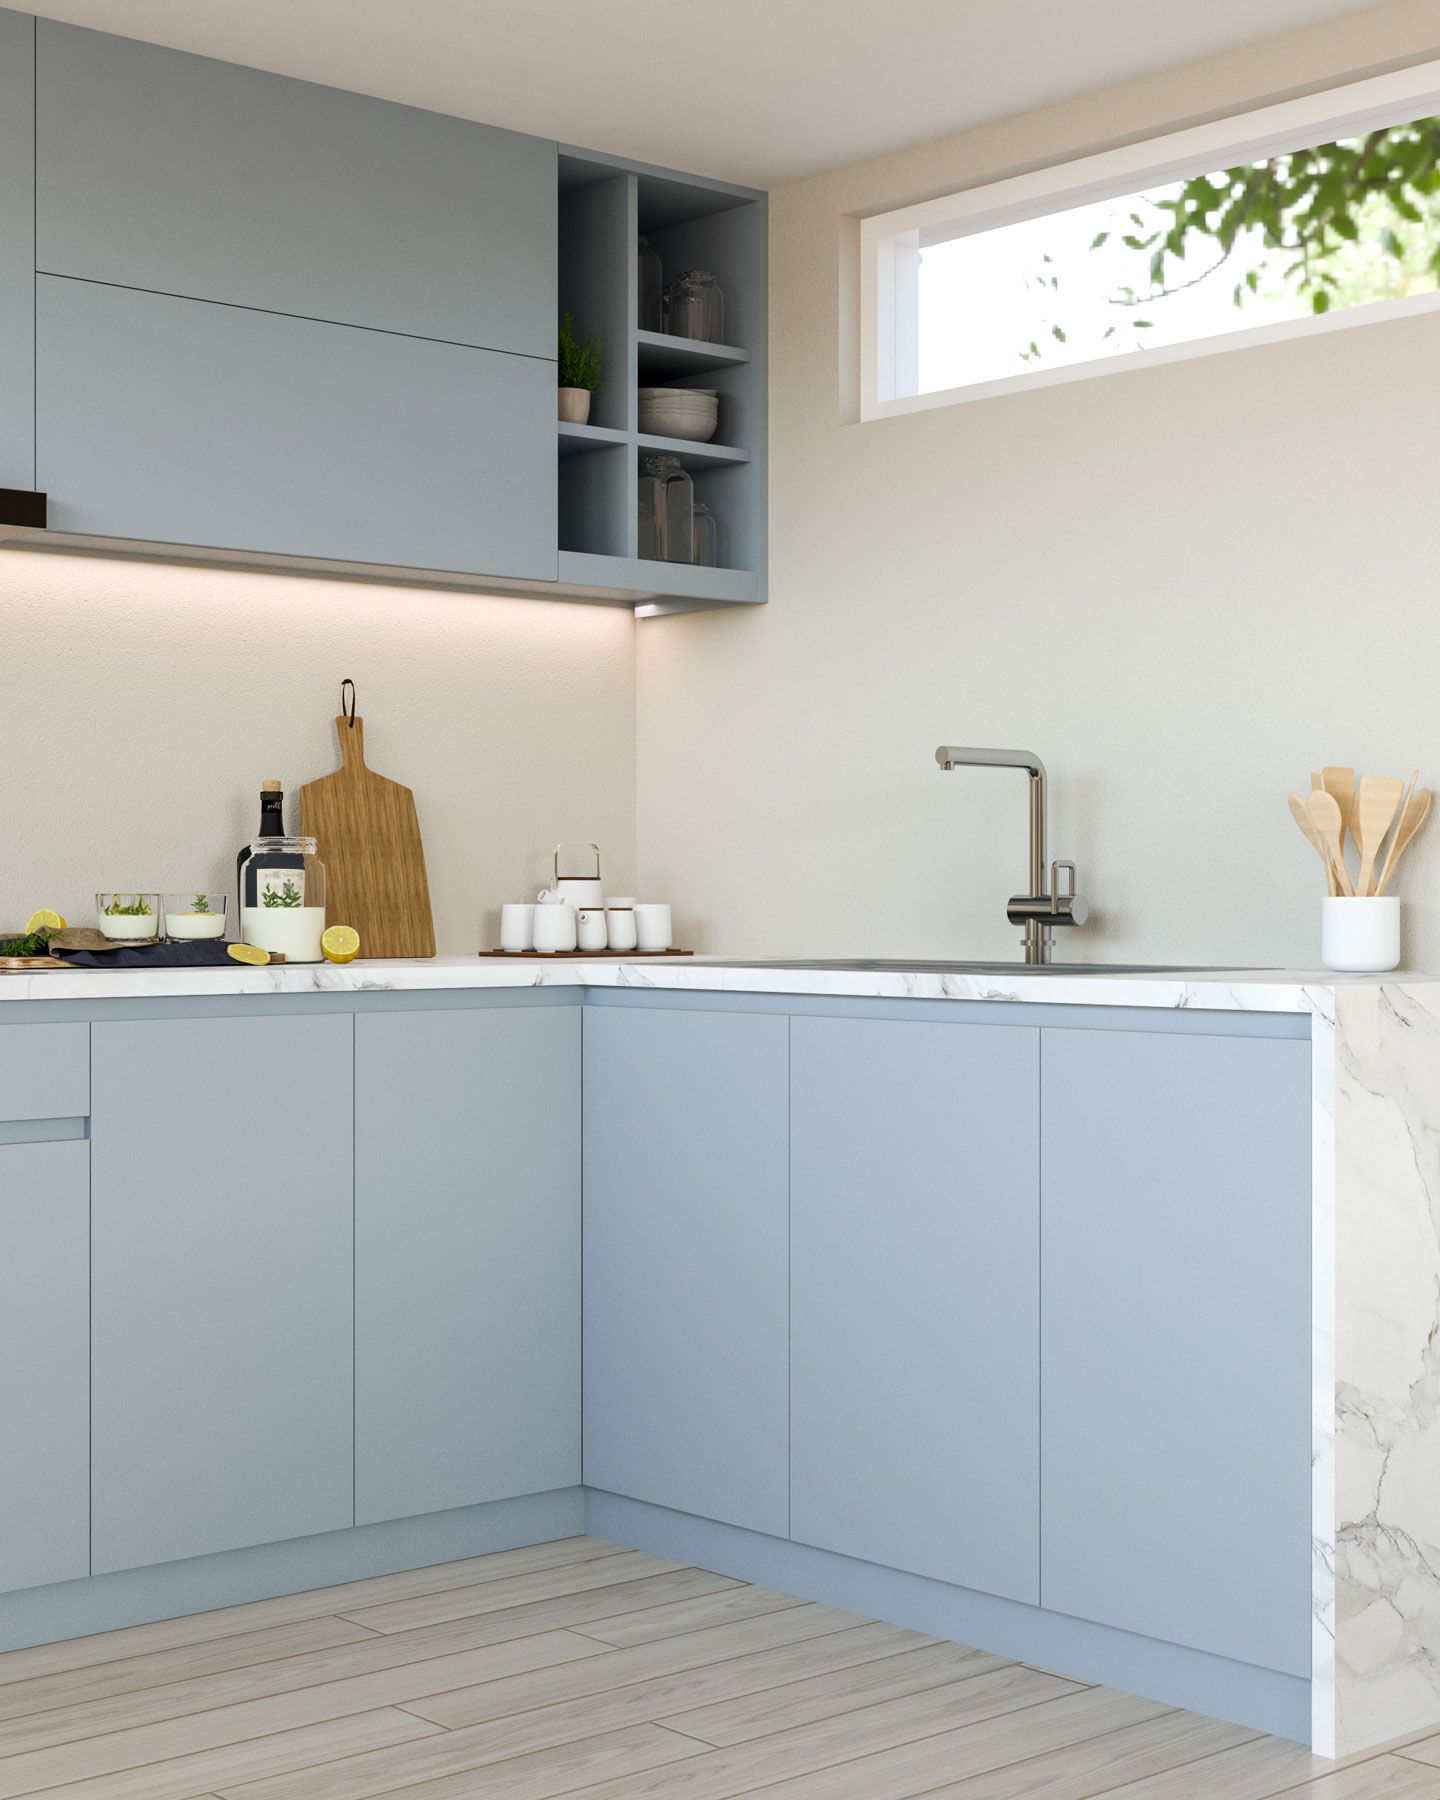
605	205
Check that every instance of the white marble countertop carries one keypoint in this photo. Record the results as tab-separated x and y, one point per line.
1241	990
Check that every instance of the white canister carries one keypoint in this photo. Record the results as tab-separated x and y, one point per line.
554	927
652	927
620	924
590	930
517	926
1360	935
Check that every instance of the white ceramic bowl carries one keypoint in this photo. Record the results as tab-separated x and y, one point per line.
689	413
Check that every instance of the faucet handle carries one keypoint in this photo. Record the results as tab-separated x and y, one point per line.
1068	908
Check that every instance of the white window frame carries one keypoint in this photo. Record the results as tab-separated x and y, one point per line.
890	242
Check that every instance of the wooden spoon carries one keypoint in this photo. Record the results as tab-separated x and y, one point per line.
1341	783
1411	820
1324	811
1376	805
1308	826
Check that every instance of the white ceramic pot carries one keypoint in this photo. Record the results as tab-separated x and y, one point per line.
1360	935
554	927
574	405
620	924
590	933
517	926
652	927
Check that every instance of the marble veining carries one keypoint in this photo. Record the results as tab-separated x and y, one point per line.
1375	1247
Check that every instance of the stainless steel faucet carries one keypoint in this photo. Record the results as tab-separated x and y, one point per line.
1037	911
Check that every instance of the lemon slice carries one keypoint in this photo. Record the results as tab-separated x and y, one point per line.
249	953
44	920
341	943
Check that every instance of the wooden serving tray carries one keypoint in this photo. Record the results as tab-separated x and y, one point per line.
587	955
27	965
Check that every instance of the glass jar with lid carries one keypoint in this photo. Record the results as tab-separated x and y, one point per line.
282	898
697	308
667	510
651	289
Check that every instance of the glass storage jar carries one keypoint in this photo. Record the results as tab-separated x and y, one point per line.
697	308
282	901
651	289
667	510
706	537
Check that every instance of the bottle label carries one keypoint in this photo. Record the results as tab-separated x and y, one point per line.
281	887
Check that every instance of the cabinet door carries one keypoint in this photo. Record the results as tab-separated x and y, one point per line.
183	422
467	1257
44	1363
686	1261
915	1387
17	240
161	170
222	1280
1177	1339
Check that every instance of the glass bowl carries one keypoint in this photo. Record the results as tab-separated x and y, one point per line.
128	917
194	914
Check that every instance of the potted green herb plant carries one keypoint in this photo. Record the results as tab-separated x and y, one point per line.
579	374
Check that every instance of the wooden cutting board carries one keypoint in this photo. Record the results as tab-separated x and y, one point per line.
368	837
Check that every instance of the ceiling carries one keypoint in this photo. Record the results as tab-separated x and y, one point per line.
762	91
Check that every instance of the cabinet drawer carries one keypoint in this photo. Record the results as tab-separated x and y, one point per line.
44	1072
182	422
157	169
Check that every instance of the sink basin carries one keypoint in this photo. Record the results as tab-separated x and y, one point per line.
922	966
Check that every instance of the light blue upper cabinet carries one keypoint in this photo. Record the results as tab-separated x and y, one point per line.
1177	1339
222	1272
915	1383
686	1264
467	1257
190	423
44	1362
162	170
17	250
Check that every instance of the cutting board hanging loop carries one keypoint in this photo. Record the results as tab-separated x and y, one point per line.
350	714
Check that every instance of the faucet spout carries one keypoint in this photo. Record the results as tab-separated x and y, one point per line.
1037	910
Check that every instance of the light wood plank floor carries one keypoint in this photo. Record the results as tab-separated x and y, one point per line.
582	1669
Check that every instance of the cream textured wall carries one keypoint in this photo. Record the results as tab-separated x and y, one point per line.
1184	587
141	706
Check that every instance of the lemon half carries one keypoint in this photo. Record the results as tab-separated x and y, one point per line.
341	944
249	953
44	920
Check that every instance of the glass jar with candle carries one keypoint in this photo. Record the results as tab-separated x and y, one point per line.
667	510
282	907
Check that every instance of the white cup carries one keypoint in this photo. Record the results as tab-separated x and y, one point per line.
620	924
1360	934
590	930
652	927
554	927
517	927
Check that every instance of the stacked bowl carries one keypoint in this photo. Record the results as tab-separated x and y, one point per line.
674	412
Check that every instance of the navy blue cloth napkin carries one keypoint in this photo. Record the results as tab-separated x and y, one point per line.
207	955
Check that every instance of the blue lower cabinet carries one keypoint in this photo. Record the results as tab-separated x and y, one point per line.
222	1249
1176	1242
44	1363
467	1257
915	1382
686	1261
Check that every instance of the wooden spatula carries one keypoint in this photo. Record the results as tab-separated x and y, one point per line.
1411	819
1324	811
1376	804
1309	827
1341	783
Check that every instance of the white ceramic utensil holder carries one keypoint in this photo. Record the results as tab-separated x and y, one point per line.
1360	935
554	925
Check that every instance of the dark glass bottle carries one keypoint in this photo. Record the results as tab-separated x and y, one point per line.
272	824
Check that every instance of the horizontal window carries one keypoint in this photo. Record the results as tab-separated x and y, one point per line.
1178	247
